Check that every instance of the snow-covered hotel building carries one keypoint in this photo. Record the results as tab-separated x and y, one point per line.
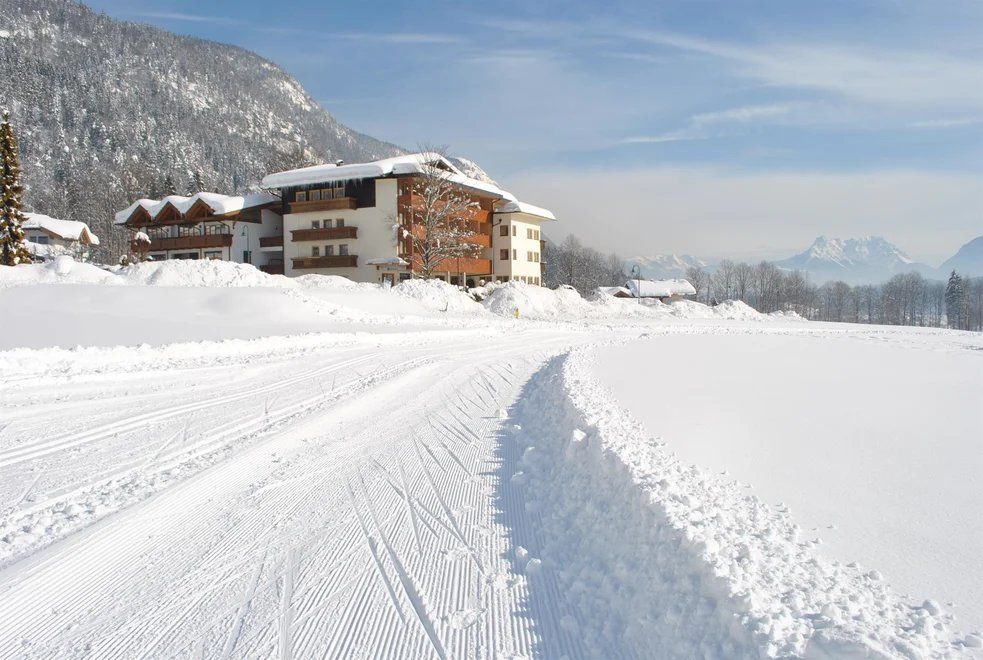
356	221
351	220
48	237
246	229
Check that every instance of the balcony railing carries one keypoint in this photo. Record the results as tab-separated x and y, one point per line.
336	204
338	261
187	242
324	234
271	241
272	269
463	265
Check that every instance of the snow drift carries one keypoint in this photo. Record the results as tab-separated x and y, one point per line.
655	554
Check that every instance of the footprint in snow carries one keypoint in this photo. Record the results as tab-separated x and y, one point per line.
464	618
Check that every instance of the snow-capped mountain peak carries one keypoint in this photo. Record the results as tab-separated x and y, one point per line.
666	266
864	259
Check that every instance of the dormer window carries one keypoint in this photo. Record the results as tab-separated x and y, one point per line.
300	196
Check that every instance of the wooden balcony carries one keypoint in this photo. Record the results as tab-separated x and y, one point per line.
200	241
324	234
272	269
467	266
338	261
336	204
271	241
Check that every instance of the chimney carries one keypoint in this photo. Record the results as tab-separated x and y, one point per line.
339	162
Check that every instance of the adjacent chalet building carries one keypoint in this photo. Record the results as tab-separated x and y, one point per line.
664	290
48	237
357	221
353	220
246	229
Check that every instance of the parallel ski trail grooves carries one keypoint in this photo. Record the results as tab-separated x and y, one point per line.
61	443
367	529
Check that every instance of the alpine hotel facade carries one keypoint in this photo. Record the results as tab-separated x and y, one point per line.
355	221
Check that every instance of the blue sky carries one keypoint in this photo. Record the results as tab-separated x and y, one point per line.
716	128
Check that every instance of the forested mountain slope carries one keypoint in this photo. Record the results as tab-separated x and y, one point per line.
106	111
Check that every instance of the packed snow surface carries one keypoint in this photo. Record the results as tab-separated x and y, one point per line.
232	464
875	444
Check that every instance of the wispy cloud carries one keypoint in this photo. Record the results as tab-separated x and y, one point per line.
908	77
192	18
706	125
947	123
403	37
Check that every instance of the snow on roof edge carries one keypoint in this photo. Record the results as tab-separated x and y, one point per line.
219	203
71	230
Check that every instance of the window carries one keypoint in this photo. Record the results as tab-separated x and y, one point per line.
329	250
535	257
340	222
339	190
515	253
343	249
536	237
247	257
300	196
211	254
513	230
314	195
529	233
503	255
528	256
315	224
315	251
327	223
503	230
41	240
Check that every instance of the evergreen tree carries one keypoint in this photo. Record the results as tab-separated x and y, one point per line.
169	187
12	248
955	301
197	183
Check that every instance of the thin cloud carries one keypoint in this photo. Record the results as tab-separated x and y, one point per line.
192	18
707	125
403	37
947	123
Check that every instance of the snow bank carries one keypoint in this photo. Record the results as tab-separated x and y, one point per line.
61	270
651	553
437	295
207	272
561	304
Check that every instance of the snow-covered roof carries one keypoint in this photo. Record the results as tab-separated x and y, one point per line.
515	206
70	230
406	164
219	204
660	288
614	290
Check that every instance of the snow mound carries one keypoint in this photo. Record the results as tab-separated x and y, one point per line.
437	295
61	270
691	563
332	283
561	304
197	273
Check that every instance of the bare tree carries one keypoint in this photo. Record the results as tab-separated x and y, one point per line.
443	215
699	279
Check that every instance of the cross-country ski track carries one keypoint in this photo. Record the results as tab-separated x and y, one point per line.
446	498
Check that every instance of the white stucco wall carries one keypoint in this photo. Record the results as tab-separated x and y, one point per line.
375	239
520	266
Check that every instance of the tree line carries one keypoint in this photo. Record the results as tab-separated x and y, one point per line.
584	268
905	299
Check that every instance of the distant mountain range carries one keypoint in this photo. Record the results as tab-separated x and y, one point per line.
866	260
853	260
666	266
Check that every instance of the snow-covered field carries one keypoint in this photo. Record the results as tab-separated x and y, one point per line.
201	460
